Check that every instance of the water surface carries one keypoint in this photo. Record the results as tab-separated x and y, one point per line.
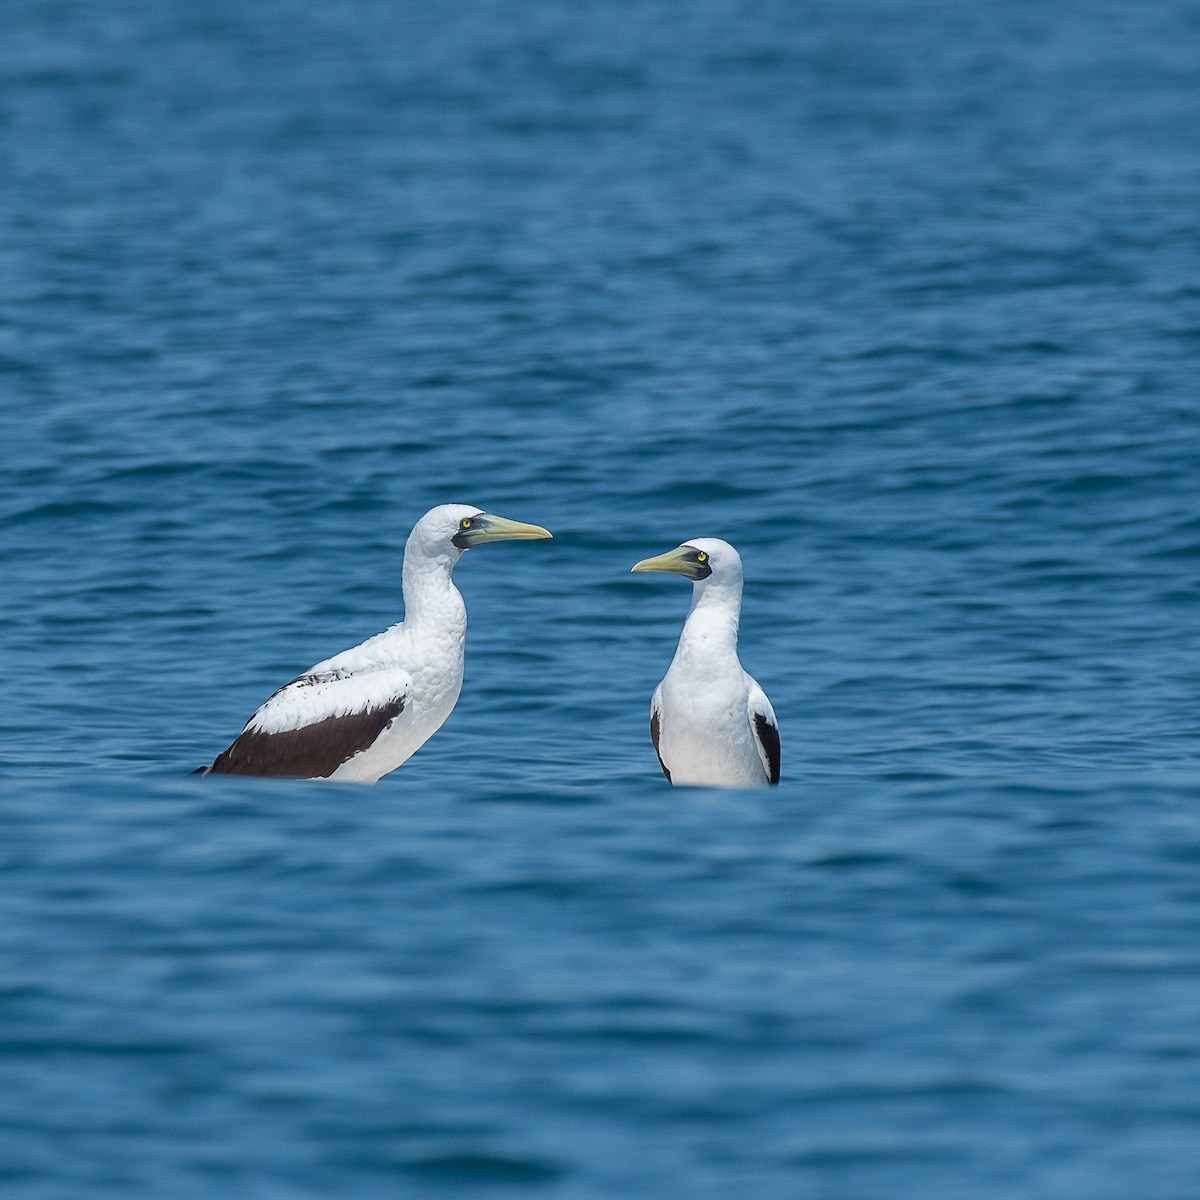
901	299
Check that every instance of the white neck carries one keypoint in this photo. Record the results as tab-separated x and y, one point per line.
430	598
711	628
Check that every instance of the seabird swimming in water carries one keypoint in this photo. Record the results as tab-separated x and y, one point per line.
360	714
711	724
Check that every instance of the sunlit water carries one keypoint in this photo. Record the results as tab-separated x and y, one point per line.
902	300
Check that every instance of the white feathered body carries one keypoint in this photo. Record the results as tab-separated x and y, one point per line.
706	731
432	658
712	724
418	661
363	712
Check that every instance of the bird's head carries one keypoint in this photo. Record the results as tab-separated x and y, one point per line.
700	560
450	529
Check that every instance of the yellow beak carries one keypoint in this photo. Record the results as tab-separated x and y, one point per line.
489	528
674	562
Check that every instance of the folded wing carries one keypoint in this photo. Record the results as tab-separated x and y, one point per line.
765	731
656	728
311	726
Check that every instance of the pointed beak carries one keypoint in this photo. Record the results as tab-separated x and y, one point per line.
488	528
674	562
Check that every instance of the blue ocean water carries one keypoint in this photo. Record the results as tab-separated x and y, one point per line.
902	298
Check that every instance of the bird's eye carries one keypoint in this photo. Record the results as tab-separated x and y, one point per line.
701	556
465	523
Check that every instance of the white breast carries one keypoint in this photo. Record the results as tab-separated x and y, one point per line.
705	737
434	660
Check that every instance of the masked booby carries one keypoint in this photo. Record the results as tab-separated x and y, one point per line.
710	722
360	714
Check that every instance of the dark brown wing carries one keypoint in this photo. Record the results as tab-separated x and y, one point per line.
655	730
311	726
767	733
310	752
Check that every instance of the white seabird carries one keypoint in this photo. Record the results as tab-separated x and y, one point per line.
710	722
360	714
